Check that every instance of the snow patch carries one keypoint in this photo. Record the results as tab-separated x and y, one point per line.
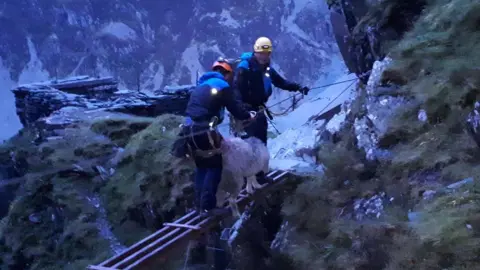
329	98
336	122
153	77
285	145
80	63
284	154
85	21
158	77
226	19
298	133
190	58
101	70
175	88
336	69
119	30
9	122
288	164
288	22
33	71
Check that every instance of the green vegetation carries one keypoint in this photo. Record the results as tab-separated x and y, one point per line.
436	64
53	222
120	129
147	178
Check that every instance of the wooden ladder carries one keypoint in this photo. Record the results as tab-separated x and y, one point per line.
155	248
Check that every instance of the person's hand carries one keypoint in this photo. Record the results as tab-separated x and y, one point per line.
253	114
304	90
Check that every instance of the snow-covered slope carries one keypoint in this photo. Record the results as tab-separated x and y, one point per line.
299	132
150	44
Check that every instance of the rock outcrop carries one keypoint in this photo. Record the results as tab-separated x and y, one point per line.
86	94
364	29
390	197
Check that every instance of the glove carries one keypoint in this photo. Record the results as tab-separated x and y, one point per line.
304	90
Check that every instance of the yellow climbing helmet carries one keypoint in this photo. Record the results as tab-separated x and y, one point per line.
262	44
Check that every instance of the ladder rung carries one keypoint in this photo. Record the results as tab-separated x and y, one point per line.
193	227
94	267
279	176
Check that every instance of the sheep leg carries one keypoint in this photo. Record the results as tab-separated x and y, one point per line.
221	198
249	187
234	206
254	182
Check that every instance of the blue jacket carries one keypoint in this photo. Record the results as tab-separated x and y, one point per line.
210	98
254	82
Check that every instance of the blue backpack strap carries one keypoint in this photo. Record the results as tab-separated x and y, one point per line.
243	64
267	82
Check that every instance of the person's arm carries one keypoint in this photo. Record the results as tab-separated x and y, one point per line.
280	82
234	105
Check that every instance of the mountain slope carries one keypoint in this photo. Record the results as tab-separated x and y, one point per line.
150	44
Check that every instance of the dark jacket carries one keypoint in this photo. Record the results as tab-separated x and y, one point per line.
210	98
254	83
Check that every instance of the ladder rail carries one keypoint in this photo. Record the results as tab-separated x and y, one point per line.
147	240
147	249
155	247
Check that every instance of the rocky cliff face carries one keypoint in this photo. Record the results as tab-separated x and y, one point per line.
153	43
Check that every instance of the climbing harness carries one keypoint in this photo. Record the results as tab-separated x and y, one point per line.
264	108
215	144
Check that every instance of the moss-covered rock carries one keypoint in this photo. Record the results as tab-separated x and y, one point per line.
77	182
120	129
51	224
148	186
435	66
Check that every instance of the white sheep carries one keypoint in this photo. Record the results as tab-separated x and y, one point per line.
241	159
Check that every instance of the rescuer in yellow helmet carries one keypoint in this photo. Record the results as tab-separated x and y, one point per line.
254	78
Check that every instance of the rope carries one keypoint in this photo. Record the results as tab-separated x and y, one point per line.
348	87
316	87
247	122
287	109
6	182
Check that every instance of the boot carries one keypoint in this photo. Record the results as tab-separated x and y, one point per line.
215	212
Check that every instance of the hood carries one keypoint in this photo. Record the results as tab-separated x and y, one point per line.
210	75
246	56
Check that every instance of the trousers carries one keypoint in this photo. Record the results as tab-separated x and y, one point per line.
208	173
258	128
206	185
